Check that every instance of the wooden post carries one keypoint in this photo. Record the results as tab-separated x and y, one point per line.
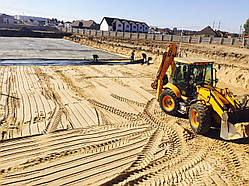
199	39
246	42
171	38
210	40
189	39
243	42
232	41
221	40
162	37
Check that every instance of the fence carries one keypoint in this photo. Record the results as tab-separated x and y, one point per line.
162	37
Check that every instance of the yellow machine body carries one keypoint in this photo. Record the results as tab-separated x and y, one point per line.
184	89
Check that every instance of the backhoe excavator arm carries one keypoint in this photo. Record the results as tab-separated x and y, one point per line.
168	60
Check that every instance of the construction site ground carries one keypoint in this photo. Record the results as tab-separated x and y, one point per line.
101	125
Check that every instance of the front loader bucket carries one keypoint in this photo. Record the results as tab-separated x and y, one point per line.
235	125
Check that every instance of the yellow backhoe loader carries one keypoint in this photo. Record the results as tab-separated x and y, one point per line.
191	89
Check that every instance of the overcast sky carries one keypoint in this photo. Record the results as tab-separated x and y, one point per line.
186	14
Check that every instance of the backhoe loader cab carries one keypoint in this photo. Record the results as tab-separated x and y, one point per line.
186	74
191	89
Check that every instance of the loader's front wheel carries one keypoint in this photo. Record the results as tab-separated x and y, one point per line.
199	118
168	101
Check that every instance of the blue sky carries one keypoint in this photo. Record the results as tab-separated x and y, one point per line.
186	14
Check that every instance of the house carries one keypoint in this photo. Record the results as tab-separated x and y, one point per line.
165	31
67	24
183	32
207	32
153	30
140	28
117	25
127	26
82	24
146	28
38	21
123	25
221	33
6	19
133	26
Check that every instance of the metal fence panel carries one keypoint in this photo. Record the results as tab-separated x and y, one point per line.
106	33
205	40
216	40
80	31
185	39
142	36
227	41
112	33
134	35
87	32
150	36
158	37
120	34
237	42
176	38
93	32
194	39
166	37
99	32
127	35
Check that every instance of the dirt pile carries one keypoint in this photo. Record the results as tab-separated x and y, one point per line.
232	63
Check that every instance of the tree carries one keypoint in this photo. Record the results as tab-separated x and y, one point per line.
246	27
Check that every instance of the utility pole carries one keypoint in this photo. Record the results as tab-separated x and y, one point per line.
240	29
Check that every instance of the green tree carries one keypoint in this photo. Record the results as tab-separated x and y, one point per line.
246	27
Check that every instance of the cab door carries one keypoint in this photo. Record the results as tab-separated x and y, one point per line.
181	78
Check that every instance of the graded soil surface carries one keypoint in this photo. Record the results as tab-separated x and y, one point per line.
101	125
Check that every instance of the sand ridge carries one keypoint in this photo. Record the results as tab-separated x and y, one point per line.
101	125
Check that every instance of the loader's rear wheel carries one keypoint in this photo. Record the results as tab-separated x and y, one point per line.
199	118
169	102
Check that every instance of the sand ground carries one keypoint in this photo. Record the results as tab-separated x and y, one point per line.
109	128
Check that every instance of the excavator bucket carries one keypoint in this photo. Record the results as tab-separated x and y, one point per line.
235	125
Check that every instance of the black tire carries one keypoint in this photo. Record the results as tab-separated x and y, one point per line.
169	106
200	124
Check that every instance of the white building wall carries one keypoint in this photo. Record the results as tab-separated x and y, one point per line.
67	25
105	27
8	21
